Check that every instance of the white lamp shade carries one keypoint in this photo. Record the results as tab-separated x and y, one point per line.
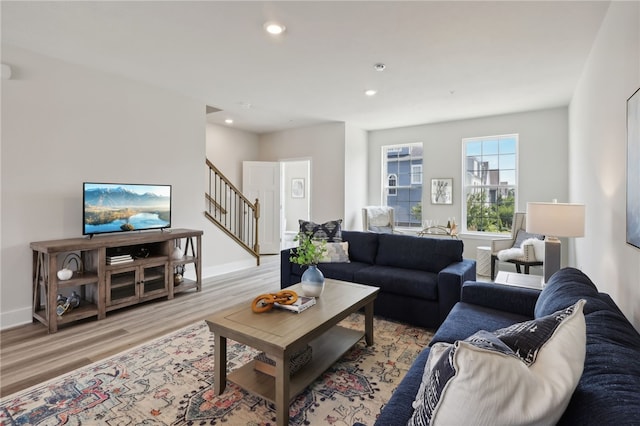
556	219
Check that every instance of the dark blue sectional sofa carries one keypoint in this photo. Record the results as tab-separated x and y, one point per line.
419	278
608	392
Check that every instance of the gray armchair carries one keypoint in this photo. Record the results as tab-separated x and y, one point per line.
518	235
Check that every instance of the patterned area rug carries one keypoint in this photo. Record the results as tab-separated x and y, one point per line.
169	381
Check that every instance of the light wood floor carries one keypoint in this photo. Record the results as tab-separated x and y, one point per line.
29	355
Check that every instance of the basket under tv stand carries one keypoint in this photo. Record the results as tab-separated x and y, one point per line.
112	271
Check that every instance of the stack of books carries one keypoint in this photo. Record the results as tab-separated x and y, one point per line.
266	365
303	303
123	258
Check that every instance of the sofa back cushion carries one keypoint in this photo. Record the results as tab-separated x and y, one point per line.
363	246
426	254
566	287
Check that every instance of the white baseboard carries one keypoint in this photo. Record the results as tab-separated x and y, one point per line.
15	318
213	271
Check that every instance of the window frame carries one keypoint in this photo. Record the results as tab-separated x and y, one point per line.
497	187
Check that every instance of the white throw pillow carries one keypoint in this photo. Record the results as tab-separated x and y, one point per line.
521	375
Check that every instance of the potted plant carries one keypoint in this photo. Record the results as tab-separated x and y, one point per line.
309	253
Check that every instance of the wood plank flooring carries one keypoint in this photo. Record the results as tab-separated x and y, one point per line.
29	355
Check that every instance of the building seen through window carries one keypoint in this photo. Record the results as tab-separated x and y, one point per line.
402	166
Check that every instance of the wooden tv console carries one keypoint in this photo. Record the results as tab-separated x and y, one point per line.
104	285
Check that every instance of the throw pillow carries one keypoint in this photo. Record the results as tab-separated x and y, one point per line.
524	235
523	374
336	253
328	231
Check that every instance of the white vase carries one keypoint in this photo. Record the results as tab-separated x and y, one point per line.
64	274
312	282
177	253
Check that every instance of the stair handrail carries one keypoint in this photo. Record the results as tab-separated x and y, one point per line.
230	217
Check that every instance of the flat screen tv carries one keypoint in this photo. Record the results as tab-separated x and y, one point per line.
119	207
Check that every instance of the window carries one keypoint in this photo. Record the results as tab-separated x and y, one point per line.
402	167
490	167
393	182
416	174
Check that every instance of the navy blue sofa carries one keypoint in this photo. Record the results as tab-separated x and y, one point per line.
608	392
419	278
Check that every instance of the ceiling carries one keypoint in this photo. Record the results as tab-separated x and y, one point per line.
445	60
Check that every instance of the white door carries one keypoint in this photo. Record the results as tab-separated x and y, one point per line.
261	180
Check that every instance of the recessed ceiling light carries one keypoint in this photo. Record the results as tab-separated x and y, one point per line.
274	28
370	92
229	121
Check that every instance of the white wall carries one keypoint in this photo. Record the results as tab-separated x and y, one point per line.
295	208
543	156
324	145
62	125
598	157
356	173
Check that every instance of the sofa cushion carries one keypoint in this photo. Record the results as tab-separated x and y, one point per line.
523	374
329	231
411	252
340	271
406	282
363	246
466	319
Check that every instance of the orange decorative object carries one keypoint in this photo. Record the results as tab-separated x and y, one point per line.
264	302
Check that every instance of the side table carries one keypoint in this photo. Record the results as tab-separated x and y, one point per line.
483	261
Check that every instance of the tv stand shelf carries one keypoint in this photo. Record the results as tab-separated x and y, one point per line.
104	287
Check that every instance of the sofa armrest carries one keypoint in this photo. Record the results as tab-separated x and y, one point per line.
517	300
450	281
285	269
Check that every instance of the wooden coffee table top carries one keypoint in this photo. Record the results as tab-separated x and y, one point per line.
279	329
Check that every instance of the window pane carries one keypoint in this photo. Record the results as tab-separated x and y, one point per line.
508	146
507	177
490	147
508	161
474	149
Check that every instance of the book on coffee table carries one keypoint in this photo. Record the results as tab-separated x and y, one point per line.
303	303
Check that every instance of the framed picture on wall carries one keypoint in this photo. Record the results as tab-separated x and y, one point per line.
442	191
297	188
633	169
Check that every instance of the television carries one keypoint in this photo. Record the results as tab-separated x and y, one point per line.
120	207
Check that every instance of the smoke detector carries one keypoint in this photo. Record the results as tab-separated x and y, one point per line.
379	67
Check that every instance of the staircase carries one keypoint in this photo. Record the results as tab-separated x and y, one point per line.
232	212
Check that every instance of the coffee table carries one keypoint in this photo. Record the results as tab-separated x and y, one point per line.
280	333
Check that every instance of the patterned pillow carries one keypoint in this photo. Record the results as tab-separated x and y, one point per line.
523	374
336	253
524	235
328	231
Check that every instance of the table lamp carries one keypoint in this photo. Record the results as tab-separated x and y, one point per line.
554	220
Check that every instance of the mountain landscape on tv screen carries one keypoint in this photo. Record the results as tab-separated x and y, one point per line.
117	208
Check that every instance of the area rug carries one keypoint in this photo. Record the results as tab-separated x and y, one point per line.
169	381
